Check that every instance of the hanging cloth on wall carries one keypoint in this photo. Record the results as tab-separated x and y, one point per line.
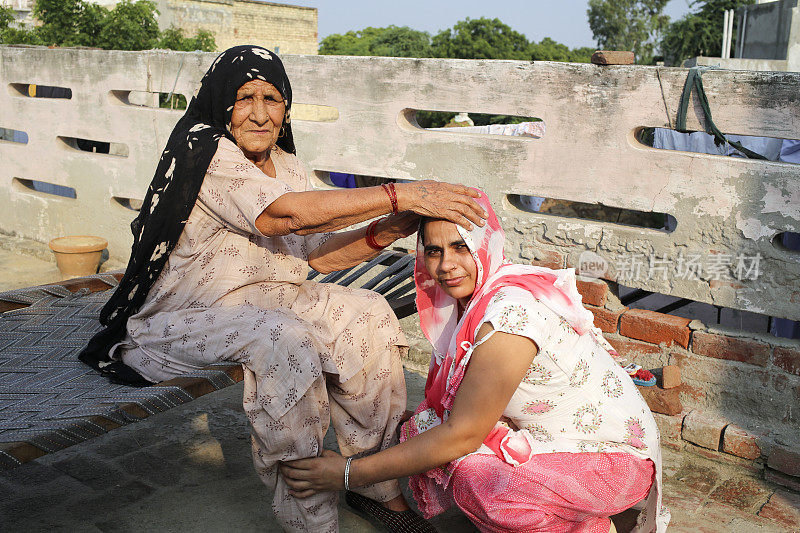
694	81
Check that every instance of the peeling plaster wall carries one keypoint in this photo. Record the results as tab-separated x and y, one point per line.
724	206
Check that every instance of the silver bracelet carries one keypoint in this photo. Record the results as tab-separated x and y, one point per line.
347	473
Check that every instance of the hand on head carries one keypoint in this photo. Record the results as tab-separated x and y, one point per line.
448	201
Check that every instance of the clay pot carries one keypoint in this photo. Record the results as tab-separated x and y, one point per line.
78	255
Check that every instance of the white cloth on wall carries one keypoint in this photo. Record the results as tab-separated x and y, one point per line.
703	143
523	129
790	151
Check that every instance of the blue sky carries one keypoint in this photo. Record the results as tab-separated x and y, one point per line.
562	20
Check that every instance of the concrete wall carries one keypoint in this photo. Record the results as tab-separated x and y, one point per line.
766	30
284	28
725	207
736	63
771	40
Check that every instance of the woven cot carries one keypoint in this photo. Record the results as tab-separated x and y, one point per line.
50	400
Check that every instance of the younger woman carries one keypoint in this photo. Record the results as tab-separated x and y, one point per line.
528	423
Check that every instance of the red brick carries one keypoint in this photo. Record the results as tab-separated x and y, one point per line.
779	478
666	402
736	441
613	57
698	394
548	258
742	493
630	349
604	319
751	467
671	377
698	478
731	348
785	460
716	284
654	327
783	507
594	292
703	430
669	426
787	359
780	382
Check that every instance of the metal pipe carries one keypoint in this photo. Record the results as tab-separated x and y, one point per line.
742	30
724	34
730	32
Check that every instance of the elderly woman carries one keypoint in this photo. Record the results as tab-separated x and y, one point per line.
218	271
528	422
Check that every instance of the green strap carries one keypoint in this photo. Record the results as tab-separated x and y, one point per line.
695	81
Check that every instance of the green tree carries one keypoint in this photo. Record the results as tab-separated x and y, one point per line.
67	22
351	43
549	50
10	33
698	33
131	25
481	39
401	42
173	39
6	17
628	25
468	39
392	41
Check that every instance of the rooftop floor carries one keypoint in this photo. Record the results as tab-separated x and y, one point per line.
18	269
189	469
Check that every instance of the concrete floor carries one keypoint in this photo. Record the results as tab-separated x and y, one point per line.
18	270
189	469
25	263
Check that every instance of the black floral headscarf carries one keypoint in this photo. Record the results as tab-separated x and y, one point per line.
174	189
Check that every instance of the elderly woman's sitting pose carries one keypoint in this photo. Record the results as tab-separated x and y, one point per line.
218	272
528	423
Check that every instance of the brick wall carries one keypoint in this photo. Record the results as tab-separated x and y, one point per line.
289	29
739	397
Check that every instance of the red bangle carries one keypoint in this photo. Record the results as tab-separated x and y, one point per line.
370	236
390	190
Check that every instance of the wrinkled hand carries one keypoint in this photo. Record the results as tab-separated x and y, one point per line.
442	200
396	227
306	477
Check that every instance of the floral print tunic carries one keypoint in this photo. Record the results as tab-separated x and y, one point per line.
222	262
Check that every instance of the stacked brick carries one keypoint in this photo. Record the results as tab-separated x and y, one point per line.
724	394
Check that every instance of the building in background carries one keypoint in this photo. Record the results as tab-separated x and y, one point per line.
764	36
22	11
282	28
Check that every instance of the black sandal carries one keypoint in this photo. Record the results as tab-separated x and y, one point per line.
394	521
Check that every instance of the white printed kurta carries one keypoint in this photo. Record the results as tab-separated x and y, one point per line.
575	397
312	353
